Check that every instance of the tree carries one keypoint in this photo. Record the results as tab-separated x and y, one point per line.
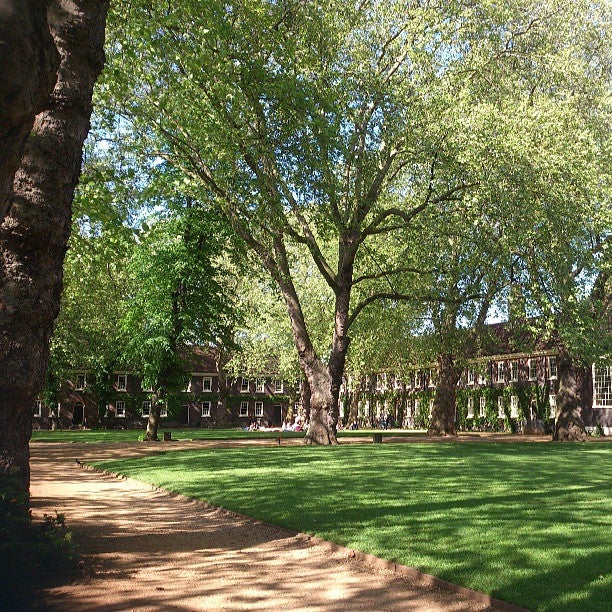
328	125
29	62
34	234
176	300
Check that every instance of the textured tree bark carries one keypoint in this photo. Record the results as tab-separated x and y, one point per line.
568	422
29	61
34	234
151	434
445	399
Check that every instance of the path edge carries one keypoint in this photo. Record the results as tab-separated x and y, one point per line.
419	578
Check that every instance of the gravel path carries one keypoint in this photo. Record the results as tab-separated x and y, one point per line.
146	549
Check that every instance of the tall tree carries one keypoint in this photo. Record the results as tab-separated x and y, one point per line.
29	61
176	301
328	125
34	234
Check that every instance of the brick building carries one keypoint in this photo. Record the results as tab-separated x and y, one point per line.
211	398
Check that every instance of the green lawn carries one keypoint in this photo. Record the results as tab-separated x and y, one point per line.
95	436
527	523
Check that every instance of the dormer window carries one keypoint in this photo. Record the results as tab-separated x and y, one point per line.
81	381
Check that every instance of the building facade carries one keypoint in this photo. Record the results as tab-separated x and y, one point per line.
210	398
509	391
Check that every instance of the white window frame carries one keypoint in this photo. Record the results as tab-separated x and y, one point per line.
602	386
279	386
121	386
432	378
259	409
482	378
431	404
245	385
260	385
552	402
244	409
38	406
206	384
417	406
482	405
145	409
500	372
470	407
76	383
532	365
514	406
501	414
120	409
417	379
514	370
205	409
163	411
471	376
552	366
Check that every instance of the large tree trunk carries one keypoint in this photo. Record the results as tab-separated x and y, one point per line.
568	422
29	61
445	399
35	232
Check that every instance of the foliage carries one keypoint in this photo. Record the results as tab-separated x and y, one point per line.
344	130
458	511
30	553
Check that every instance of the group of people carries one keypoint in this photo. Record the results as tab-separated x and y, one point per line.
296	425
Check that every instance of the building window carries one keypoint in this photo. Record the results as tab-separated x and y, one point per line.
470	376
205	409
81	381
417	406
602	386
500	371
38	406
533	369
514	407
244	385
206	383
417	380
552	402
244	409
432	377
278	386
483	407
120	409
431	403
482	378
146	408
513	371
259	409
552	367
121	384
163	411
260	385
146	389
470	407
500	407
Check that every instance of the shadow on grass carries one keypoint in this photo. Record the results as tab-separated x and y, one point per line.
526	523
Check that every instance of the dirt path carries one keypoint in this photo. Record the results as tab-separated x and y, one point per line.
149	550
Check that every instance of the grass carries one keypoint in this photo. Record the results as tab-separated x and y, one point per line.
527	523
96	436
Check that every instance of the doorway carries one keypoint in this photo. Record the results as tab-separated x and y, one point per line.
78	413
277	419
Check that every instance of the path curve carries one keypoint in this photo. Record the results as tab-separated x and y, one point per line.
147	549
